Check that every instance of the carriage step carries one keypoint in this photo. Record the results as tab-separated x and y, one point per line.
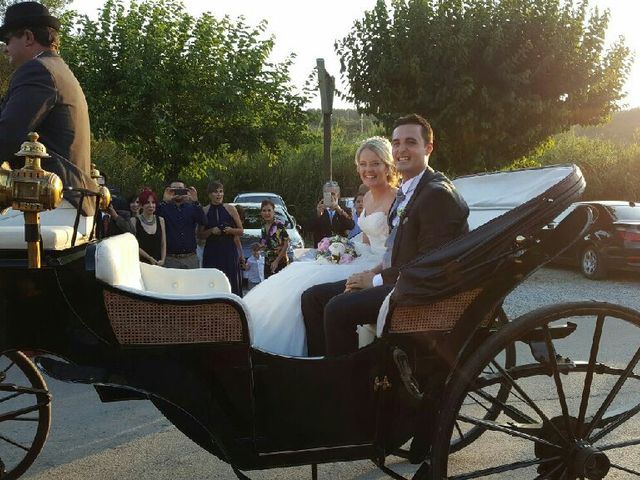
556	331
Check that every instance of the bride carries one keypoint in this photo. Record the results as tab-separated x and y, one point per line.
276	321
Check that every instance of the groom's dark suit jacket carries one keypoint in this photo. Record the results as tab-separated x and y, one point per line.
435	215
44	96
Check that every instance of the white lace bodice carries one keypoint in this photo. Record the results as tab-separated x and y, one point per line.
376	228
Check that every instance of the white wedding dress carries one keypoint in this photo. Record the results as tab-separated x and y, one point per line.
274	305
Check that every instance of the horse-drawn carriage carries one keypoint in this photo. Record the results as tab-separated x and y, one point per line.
448	383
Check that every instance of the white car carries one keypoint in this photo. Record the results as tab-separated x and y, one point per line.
258	197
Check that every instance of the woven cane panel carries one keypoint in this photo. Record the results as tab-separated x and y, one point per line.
143	322
441	315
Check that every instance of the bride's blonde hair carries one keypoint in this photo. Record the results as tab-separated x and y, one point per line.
382	148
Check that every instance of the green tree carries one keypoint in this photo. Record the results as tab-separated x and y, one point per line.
174	88
496	78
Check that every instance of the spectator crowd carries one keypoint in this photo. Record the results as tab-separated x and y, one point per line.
178	232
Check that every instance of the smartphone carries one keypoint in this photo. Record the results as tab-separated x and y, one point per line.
327	199
180	191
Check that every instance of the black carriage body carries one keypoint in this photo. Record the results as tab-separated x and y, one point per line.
256	410
252	409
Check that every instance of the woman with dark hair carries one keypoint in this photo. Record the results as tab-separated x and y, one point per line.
221	233
134	206
150	230
275	240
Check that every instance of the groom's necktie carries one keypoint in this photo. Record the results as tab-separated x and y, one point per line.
386	258
400	196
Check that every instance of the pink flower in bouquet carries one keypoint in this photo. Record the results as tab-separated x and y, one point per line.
323	245
345	258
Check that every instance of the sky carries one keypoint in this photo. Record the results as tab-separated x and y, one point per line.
309	29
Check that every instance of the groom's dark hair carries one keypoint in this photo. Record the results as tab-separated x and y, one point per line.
415	119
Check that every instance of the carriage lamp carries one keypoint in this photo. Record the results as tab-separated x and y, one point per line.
30	190
104	195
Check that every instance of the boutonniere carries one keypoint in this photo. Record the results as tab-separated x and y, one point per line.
400	213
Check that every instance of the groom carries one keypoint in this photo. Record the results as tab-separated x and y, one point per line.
428	212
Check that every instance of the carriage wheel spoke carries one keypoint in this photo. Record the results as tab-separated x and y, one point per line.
5	370
529	401
497	427
508	467
509	410
16	413
624	469
10	397
459	430
556	378
546	475
613	393
586	392
15	444
613	446
478	402
615	424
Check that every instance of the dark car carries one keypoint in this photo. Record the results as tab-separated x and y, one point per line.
612	243
252	224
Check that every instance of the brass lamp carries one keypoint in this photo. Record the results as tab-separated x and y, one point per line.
30	190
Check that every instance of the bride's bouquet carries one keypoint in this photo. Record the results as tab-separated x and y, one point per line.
335	249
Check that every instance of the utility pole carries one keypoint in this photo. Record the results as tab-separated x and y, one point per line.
327	84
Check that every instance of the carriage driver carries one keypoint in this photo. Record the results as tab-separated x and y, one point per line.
44	96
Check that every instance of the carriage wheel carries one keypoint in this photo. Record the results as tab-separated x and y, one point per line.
25	414
465	434
570	413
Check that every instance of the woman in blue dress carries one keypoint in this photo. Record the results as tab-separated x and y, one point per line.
221	233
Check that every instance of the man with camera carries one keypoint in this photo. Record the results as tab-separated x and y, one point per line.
182	214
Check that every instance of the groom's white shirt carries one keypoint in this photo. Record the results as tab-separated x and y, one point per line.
408	188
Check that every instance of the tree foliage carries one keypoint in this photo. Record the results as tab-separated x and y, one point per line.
174	88
496	78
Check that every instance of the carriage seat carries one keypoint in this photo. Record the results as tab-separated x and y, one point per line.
56	228
153	305
118	264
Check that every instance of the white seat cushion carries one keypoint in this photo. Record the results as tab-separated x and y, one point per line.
202	281
117	261
56	228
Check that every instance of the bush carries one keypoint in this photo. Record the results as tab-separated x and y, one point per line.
612	171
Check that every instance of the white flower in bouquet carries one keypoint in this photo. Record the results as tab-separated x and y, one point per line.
337	249
320	260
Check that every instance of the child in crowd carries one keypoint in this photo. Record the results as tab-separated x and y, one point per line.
254	266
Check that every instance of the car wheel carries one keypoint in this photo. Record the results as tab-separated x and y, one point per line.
592	263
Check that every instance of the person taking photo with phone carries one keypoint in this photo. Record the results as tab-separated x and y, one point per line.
331	219
182	214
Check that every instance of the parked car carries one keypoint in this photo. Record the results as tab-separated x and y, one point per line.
252	225
257	197
612	243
